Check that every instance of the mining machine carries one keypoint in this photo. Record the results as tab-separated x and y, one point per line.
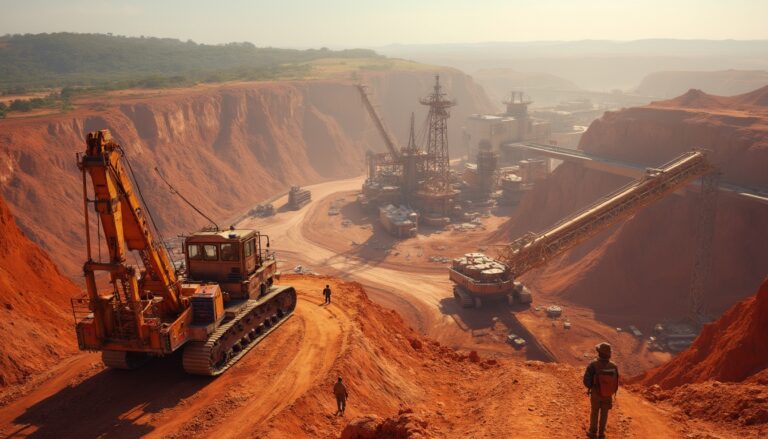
216	311
533	250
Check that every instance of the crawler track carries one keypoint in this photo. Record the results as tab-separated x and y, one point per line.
463	298
235	338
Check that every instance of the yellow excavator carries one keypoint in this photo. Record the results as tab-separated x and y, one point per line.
216	309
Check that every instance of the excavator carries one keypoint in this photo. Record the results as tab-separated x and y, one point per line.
219	307
536	249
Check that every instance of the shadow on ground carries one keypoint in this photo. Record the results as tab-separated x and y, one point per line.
482	321
111	403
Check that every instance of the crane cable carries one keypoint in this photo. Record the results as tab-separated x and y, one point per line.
146	206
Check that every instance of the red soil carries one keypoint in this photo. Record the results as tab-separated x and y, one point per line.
723	376
282	388
639	272
225	148
731	349
34	306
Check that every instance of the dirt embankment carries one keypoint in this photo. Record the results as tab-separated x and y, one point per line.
732	349
640	271
224	147
723	376
35	320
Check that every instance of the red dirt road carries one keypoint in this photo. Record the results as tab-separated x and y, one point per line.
83	399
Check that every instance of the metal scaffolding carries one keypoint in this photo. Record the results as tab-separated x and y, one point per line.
705	233
438	160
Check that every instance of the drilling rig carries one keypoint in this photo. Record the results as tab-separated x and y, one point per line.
495	278
221	307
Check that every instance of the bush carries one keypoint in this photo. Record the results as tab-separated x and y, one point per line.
20	105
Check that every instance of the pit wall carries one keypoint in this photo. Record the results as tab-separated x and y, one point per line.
640	270
225	148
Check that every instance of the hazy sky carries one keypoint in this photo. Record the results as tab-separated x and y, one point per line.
369	23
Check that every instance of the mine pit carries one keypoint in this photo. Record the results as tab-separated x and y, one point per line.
469	282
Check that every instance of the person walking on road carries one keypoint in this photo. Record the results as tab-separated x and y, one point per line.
602	382
327	294
340	391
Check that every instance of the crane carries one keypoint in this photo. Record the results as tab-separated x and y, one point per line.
536	249
218	309
389	139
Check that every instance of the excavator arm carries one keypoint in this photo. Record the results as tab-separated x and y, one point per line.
125	228
536	249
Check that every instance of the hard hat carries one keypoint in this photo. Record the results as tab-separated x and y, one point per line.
603	348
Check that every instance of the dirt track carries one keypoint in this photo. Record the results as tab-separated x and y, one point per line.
160	400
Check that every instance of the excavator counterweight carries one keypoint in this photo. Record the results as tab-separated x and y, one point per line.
226	300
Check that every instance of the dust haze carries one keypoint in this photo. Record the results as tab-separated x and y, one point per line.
359	220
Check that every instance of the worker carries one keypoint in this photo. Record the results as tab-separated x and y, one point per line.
602	382
340	391
327	294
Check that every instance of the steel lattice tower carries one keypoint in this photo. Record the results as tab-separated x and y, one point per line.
438	161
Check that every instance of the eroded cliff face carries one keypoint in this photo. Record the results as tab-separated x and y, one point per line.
224	147
35	318
641	270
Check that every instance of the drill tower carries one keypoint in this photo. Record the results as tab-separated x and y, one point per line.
438	162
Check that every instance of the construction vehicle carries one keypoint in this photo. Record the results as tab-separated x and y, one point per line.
216	312
536	249
477	276
298	197
263	210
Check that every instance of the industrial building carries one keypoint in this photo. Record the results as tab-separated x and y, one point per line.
498	132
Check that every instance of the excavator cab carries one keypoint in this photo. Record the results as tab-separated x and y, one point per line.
238	260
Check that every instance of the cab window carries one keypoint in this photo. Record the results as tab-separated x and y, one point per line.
250	247
210	252
194	253
229	252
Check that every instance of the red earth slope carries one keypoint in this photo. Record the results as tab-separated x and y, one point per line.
35	322
225	147
733	348
723	376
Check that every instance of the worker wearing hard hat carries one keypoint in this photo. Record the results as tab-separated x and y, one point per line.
602	382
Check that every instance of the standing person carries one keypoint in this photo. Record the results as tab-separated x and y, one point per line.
602	382
327	294
340	391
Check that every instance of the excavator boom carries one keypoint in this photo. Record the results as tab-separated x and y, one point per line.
124	222
389	140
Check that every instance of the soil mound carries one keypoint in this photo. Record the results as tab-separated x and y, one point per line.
695	98
731	349
757	98
35	319
405	425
